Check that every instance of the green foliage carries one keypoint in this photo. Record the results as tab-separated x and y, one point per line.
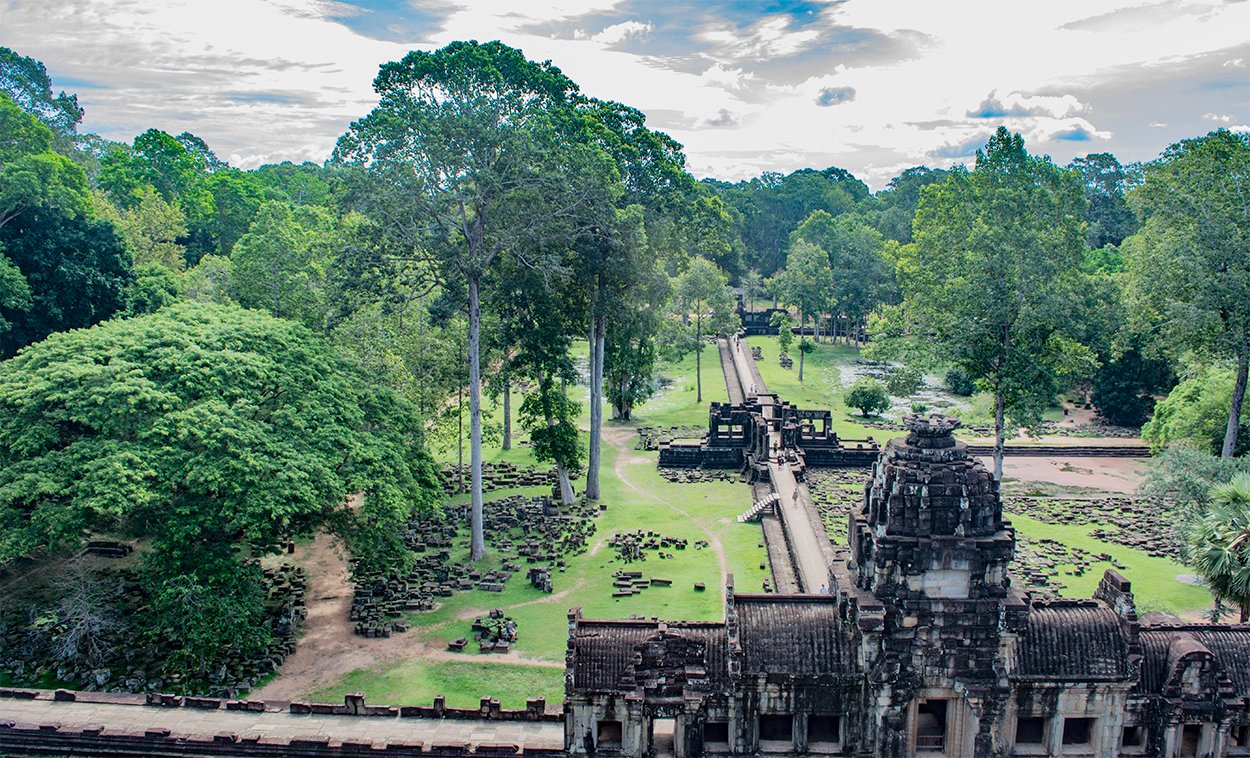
1184	475
1188	268
1109	218
959	383
76	271
280	264
868	395
153	288
1219	546
212	431
996	257
860	277
550	418
904	381
31	175
806	282
1123	387
1195	413
26	81
899	199
784	323
151	228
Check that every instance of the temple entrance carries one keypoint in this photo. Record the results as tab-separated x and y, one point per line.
932	725
663	737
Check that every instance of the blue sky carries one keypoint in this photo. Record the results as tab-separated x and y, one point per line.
868	85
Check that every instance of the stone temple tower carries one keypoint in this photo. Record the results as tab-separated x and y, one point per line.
934	608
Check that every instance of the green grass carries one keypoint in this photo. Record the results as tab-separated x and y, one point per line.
416	682
1155	586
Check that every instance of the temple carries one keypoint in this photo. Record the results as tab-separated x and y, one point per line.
923	646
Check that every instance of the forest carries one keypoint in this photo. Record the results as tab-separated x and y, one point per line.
216	363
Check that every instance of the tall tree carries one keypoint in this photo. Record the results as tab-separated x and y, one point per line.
1189	266
31	174
469	167
704	299
1110	219
861	277
26	80
806	283
996	252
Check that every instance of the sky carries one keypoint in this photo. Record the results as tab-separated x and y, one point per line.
747	86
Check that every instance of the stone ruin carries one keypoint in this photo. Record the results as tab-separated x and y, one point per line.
926	645
520	531
737	437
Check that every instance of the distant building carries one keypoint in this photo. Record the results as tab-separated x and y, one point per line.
923	648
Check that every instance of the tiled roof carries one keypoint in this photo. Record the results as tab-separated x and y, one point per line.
1072	641
1163	646
604	651
792	635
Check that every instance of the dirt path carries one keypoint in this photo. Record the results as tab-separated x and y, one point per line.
619	438
329	647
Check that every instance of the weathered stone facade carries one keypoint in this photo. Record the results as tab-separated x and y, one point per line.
924	647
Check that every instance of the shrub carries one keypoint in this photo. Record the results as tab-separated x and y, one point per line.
868	395
959	383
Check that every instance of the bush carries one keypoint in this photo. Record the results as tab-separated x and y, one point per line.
959	383
868	395
919	408
1122	388
1195	412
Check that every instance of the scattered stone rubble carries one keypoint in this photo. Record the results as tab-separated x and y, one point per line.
650	438
496	476
519	530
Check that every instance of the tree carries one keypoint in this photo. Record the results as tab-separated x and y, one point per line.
704	298
26	81
280	264
1194	411
805	347
76	271
1219	546
899	199
806	283
997	251
860	278
868	395
1123	386
1188	265
752	287
468	166
783	322
630	348
212	432
152	228
31	174
1110	219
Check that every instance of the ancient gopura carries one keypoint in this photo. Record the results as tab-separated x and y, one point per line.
923	646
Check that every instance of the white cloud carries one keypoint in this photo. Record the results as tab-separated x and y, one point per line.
1223	118
619	32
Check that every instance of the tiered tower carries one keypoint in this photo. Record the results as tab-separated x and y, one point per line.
930	550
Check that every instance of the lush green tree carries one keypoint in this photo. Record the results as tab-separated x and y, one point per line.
1219	546
1183	476
214	433
237	199
153	288
1194	413
997	251
898	201
210	280
784	323
806	283
806	346
76	271
860	274
1189	266
704	301
151	229
31	174
1110	219
868	395
1123	387
26	81
467	165
301	184
280	264
630	349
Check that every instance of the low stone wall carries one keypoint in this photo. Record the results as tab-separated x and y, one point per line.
55	739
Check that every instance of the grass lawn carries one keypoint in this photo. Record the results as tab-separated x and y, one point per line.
418	681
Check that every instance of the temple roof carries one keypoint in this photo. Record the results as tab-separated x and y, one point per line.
1073	640
800	635
606	651
1163	646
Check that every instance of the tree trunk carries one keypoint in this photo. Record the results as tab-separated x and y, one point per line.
802	355
477	542
566	485
1000	442
598	334
1239	396
460	439
507	414
698	359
